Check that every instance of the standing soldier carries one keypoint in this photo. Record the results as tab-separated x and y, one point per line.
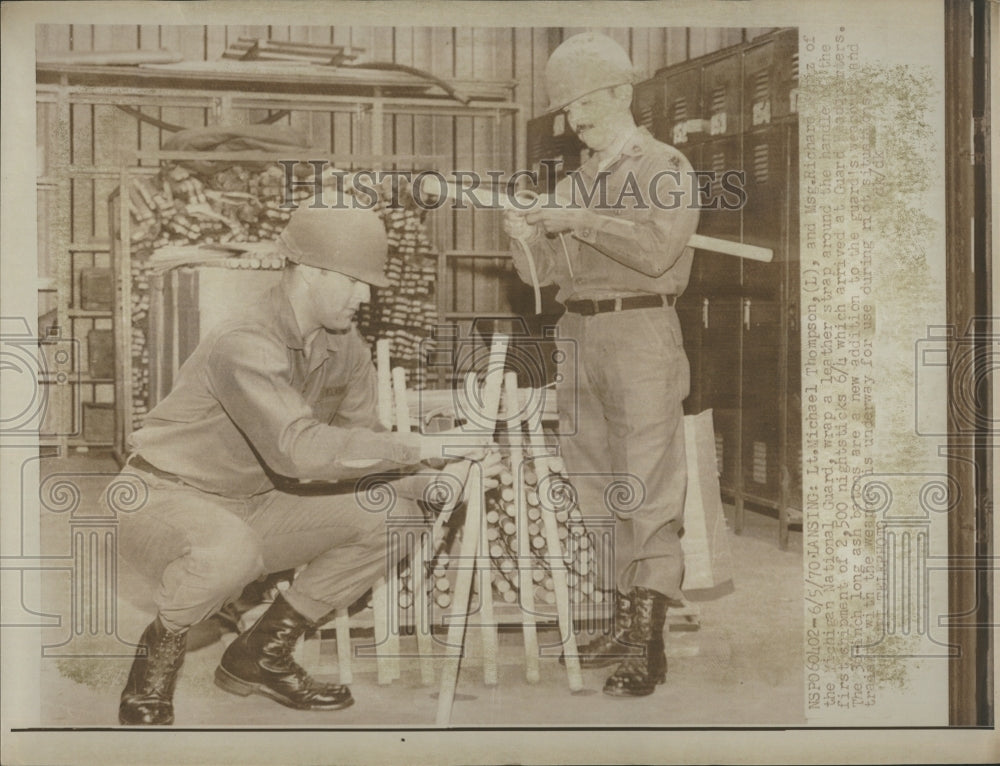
617	249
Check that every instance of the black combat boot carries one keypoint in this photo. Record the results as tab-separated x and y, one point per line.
638	676
148	696
260	661
609	649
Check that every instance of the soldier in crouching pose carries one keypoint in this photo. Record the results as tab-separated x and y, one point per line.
284	394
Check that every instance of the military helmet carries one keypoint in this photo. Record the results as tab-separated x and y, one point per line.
345	239
585	63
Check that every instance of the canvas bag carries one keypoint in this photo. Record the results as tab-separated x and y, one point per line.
707	556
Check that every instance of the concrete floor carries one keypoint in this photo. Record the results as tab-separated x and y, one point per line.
741	667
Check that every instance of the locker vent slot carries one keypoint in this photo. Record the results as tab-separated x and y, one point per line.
760	462
795	66
761	86
645	116
719	100
719	445
680	112
760	163
718	169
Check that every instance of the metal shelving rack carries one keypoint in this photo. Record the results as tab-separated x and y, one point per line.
366	105
121	257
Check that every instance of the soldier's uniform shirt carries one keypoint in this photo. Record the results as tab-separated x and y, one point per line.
637	247
255	402
255	410
620	408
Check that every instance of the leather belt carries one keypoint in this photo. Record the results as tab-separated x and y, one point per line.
140	463
590	307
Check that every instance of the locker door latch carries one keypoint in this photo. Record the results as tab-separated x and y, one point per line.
704	313
746	314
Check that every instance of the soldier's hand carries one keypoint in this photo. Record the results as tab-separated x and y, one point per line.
489	463
453	445
562	219
516	225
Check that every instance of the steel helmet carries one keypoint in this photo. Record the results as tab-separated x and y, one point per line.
583	64
345	239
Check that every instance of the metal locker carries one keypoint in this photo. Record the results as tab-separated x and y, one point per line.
786	75
765	213
722	95
769	330
758	81
683	122
646	98
720	381
715	273
760	392
715	285
770	80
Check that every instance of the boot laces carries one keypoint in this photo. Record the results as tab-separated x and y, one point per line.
632	668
